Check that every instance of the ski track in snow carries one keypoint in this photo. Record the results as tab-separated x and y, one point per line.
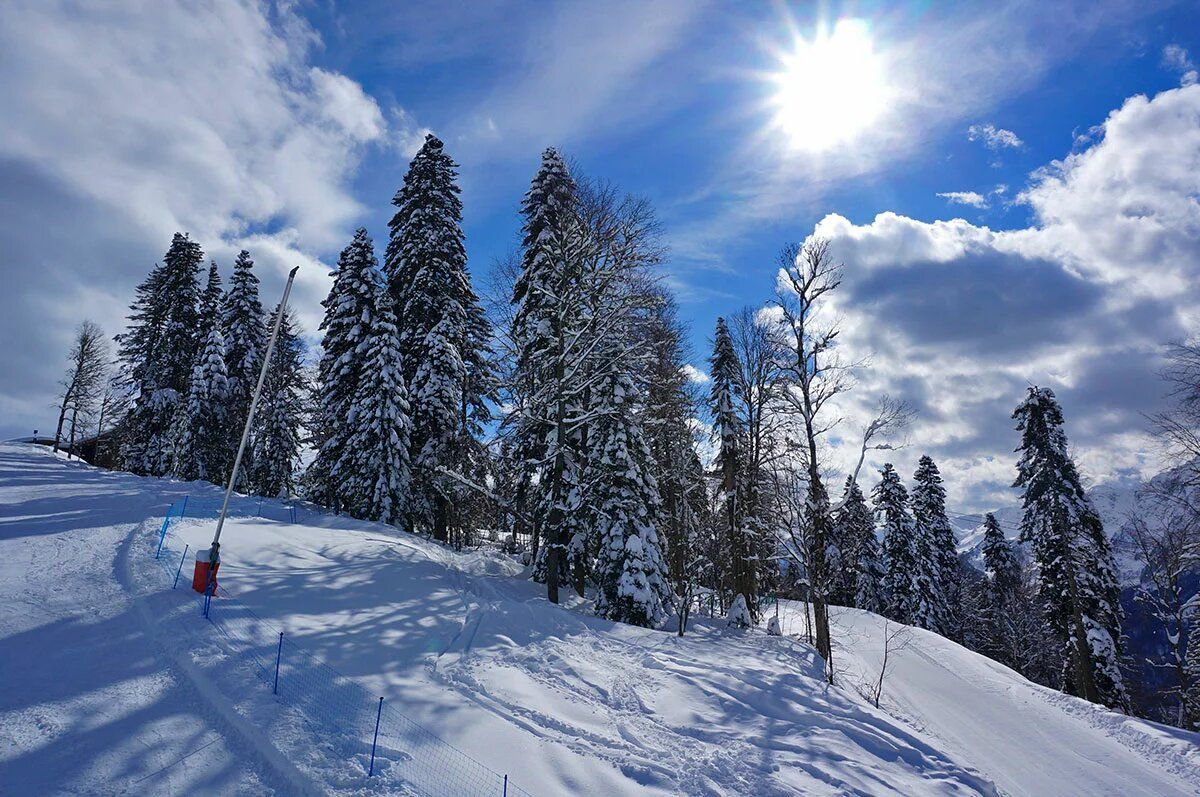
565	702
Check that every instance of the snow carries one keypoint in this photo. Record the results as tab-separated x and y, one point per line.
113	683
1025	738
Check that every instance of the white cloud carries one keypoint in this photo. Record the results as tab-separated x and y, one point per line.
1177	59
994	137
695	375
969	198
207	118
960	318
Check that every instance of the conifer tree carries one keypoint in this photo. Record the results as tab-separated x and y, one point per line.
375	473
1000	562
905	601
280	413
1191	669
854	537
350	317
630	568
730	464
545	324
872	575
677	469
443	334
202	420
1077	574
158	350
1002	573
937	554
245	331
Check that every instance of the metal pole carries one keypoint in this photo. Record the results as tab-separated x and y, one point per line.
278	656
506	786
180	568
237	461
183	508
162	535
375	741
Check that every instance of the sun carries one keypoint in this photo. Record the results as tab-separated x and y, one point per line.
831	88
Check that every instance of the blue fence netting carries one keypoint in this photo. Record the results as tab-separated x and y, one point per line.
392	747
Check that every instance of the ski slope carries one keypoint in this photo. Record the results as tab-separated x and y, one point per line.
100	695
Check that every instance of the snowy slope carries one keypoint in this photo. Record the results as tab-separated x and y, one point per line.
1025	738
110	678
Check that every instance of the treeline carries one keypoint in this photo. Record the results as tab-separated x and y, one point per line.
562	419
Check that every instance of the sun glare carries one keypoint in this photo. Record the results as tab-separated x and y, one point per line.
831	88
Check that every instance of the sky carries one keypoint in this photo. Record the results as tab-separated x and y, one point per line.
1013	188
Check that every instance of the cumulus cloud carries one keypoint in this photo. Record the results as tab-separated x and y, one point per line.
124	124
994	137
960	318
695	375
969	198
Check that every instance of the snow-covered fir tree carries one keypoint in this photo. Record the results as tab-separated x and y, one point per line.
630	568
853	530
546	326
1002	574
937	551
684	521
350	317
872	576
444	338
245	331
729	432
280	414
1076	571
202	423
906	602
375	476
1191	670
1001	566
158	350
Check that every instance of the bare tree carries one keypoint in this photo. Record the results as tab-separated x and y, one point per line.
816	374
1163	532
1178	428
84	381
896	638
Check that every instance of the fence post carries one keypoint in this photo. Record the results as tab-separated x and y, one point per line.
183	508
375	741
278	656
162	534
179	569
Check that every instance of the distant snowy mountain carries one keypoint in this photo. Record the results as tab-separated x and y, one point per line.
1112	500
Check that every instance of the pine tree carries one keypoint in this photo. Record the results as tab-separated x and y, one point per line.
545	324
872	576
1076	571
377	478
669	410
905	601
202	421
443	333
937	550
730	463
1000	562
1191	669
245	331
280	413
350	317
853	529
158	350
630	568
1002	573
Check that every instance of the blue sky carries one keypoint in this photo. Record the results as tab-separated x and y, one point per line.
283	127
